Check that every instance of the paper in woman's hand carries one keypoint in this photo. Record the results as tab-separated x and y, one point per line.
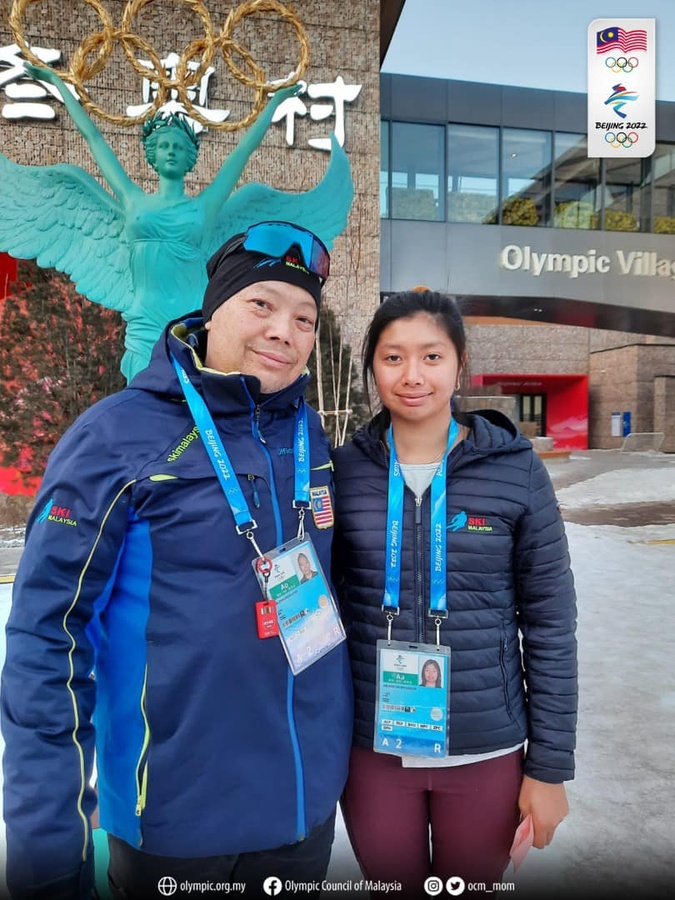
521	842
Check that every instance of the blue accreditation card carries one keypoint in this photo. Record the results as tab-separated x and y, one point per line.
413	699
308	618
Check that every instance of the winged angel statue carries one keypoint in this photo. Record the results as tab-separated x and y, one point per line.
145	254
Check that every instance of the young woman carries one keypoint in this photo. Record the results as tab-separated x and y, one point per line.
431	674
450	549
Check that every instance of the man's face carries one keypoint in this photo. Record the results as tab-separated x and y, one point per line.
266	330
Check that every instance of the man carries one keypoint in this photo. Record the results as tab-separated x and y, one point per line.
305	567
137	607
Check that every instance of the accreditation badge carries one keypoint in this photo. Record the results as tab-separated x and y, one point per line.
413	699
308	619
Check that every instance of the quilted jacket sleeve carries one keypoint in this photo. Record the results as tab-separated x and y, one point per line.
547	618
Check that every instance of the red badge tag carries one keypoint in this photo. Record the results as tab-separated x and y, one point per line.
266	619
264	566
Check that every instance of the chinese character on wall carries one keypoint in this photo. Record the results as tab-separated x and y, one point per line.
28	98
197	94
337	92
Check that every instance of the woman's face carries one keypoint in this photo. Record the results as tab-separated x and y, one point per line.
416	368
430	674
172	151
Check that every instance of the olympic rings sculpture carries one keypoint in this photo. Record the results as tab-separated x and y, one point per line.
92	55
622	63
621	139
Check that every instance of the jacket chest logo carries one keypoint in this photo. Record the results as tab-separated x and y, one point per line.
465	522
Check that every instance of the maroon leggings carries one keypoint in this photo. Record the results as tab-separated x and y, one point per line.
472	812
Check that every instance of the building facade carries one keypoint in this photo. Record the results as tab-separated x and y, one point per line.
563	264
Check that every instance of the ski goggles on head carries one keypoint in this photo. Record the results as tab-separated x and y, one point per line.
277	238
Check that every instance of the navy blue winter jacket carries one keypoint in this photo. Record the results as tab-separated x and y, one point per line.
507	572
134	607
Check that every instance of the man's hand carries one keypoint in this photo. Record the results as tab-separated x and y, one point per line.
547	803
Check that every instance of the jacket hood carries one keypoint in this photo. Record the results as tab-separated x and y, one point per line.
490	432
185	338
493	432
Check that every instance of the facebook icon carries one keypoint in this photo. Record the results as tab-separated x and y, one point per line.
272	885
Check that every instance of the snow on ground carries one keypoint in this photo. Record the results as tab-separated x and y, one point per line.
642	485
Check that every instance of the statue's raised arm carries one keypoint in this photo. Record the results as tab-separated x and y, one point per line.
222	186
106	160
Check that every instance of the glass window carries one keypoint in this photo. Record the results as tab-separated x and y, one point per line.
663	173
533	409
473	171
526	177
577	183
625	194
384	170
417	171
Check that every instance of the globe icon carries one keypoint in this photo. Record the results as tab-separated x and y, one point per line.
167	885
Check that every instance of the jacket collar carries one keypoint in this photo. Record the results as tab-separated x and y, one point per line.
186	339
489	432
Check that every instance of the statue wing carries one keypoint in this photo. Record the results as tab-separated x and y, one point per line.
62	218
323	210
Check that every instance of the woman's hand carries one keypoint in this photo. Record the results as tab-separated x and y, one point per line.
278	97
547	803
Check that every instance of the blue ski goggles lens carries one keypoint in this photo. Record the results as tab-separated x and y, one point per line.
277	238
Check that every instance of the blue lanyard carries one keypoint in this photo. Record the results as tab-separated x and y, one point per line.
244	521
301	458
437	563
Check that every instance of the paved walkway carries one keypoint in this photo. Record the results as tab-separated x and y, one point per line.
9	560
585	464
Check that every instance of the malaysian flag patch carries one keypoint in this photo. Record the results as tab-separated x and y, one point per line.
322	506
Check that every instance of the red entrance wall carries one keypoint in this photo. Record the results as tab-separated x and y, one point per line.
566	403
10	482
7	276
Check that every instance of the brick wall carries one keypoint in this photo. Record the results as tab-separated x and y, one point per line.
626	379
527	348
664	410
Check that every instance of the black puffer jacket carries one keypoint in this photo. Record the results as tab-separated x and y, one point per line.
507	572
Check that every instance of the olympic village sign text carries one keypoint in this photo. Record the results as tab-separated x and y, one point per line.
644	263
31	99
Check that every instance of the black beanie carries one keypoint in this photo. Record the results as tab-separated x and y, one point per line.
231	270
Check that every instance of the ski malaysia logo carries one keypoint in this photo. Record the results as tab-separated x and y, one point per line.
464	522
62	515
